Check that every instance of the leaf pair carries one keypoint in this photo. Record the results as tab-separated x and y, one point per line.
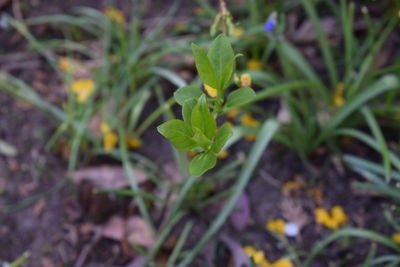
216	66
198	130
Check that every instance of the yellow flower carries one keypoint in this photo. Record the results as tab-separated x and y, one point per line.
245	80
133	143
210	91
294	185
232	113
250	137
104	128
254	64
338	215
276	226
223	154
257	255
260	259
248	120
338	99
237	31
115	15
64	64
282	263
396	237
334	220
83	88
110	140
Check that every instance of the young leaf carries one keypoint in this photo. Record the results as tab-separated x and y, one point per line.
204	66
187	108
202	163
227	73
185	93
202	118
179	133
223	135
220	54
201	140
240	97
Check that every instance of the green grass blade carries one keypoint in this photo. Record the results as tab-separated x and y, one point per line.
382	85
395	160
367	165
280	88
346	232
179	244
132	180
384	150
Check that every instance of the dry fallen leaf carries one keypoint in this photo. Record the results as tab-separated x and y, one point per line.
138	232
109	177
134	229
114	228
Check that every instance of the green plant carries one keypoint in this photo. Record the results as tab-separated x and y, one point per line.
108	89
322	104
198	130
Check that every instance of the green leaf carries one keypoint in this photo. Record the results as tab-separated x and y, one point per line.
185	93
202	140
227	73
224	133
179	133
240	97
221	56
204	66
187	109
202	118
202	163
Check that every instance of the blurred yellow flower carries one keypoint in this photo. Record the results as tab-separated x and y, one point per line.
83	88
260	259
115	15
338	215
396	237
64	64
237	31
210	91
223	154
282	263
248	120
257	255
110	140
334	220
338	99
277	226
245	80
254	64
250	137
104	128
232	113
133	143
295	185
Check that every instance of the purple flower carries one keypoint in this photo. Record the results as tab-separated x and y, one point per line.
270	24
